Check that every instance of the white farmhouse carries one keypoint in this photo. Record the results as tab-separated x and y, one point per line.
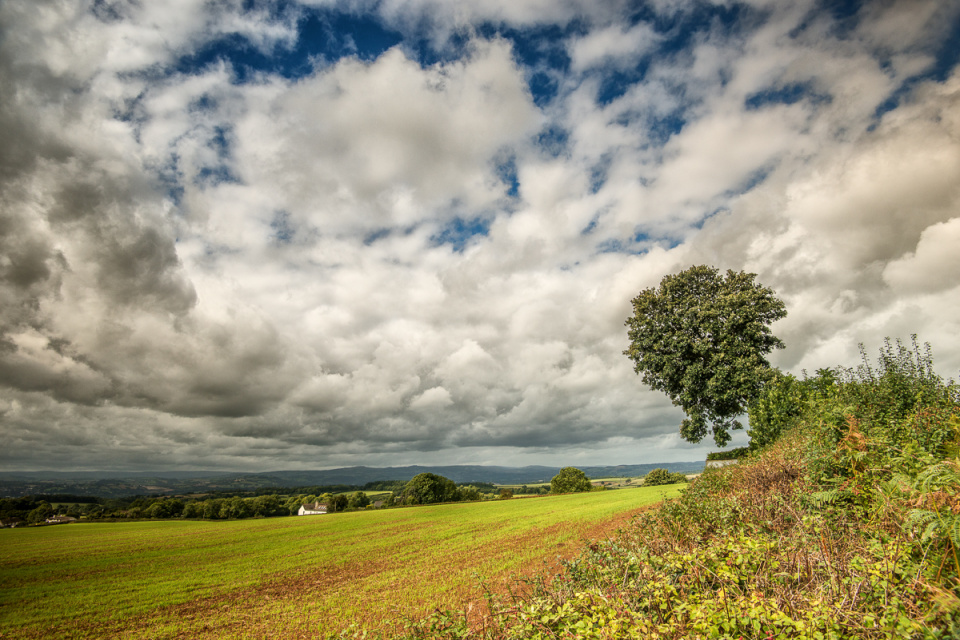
312	509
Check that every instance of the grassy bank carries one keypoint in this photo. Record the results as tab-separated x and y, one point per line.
283	577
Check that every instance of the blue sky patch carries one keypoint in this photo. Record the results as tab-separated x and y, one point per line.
507	172
542	50
221	172
598	172
755	178
212	176
710	214
220	141
321	35
459	232
377	234
554	140
786	94
616	83
947	56
844	12
682	29
644	239
660	130
283	229
591	227
616	245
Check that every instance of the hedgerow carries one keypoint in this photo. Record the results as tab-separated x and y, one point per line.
847	526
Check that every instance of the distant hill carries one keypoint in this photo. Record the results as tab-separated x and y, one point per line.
112	484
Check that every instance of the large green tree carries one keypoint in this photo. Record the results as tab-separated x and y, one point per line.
701	338
358	500
429	488
570	480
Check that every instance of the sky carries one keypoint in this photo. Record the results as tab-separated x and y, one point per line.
259	235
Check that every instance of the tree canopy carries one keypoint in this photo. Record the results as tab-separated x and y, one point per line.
701	338
659	477
429	488
570	480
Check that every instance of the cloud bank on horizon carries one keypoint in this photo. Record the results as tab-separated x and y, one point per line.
277	234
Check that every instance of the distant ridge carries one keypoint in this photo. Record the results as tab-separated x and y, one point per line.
124	483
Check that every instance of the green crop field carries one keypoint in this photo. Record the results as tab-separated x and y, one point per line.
286	577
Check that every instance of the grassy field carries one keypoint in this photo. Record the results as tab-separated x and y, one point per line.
287	577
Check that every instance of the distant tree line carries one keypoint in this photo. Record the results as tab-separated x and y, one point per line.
540	490
422	489
245	504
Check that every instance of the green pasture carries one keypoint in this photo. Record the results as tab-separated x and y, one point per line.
254	578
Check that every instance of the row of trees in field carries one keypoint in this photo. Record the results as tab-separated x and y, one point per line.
37	509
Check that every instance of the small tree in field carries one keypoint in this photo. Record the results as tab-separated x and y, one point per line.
429	488
659	477
570	480
337	503
701	338
358	500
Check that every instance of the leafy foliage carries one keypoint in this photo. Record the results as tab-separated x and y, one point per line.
358	500
701	338
570	480
429	488
775	409
729	454
937	512
662	476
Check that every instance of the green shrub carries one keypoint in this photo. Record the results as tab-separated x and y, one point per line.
659	477
779	405
896	417
731	454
